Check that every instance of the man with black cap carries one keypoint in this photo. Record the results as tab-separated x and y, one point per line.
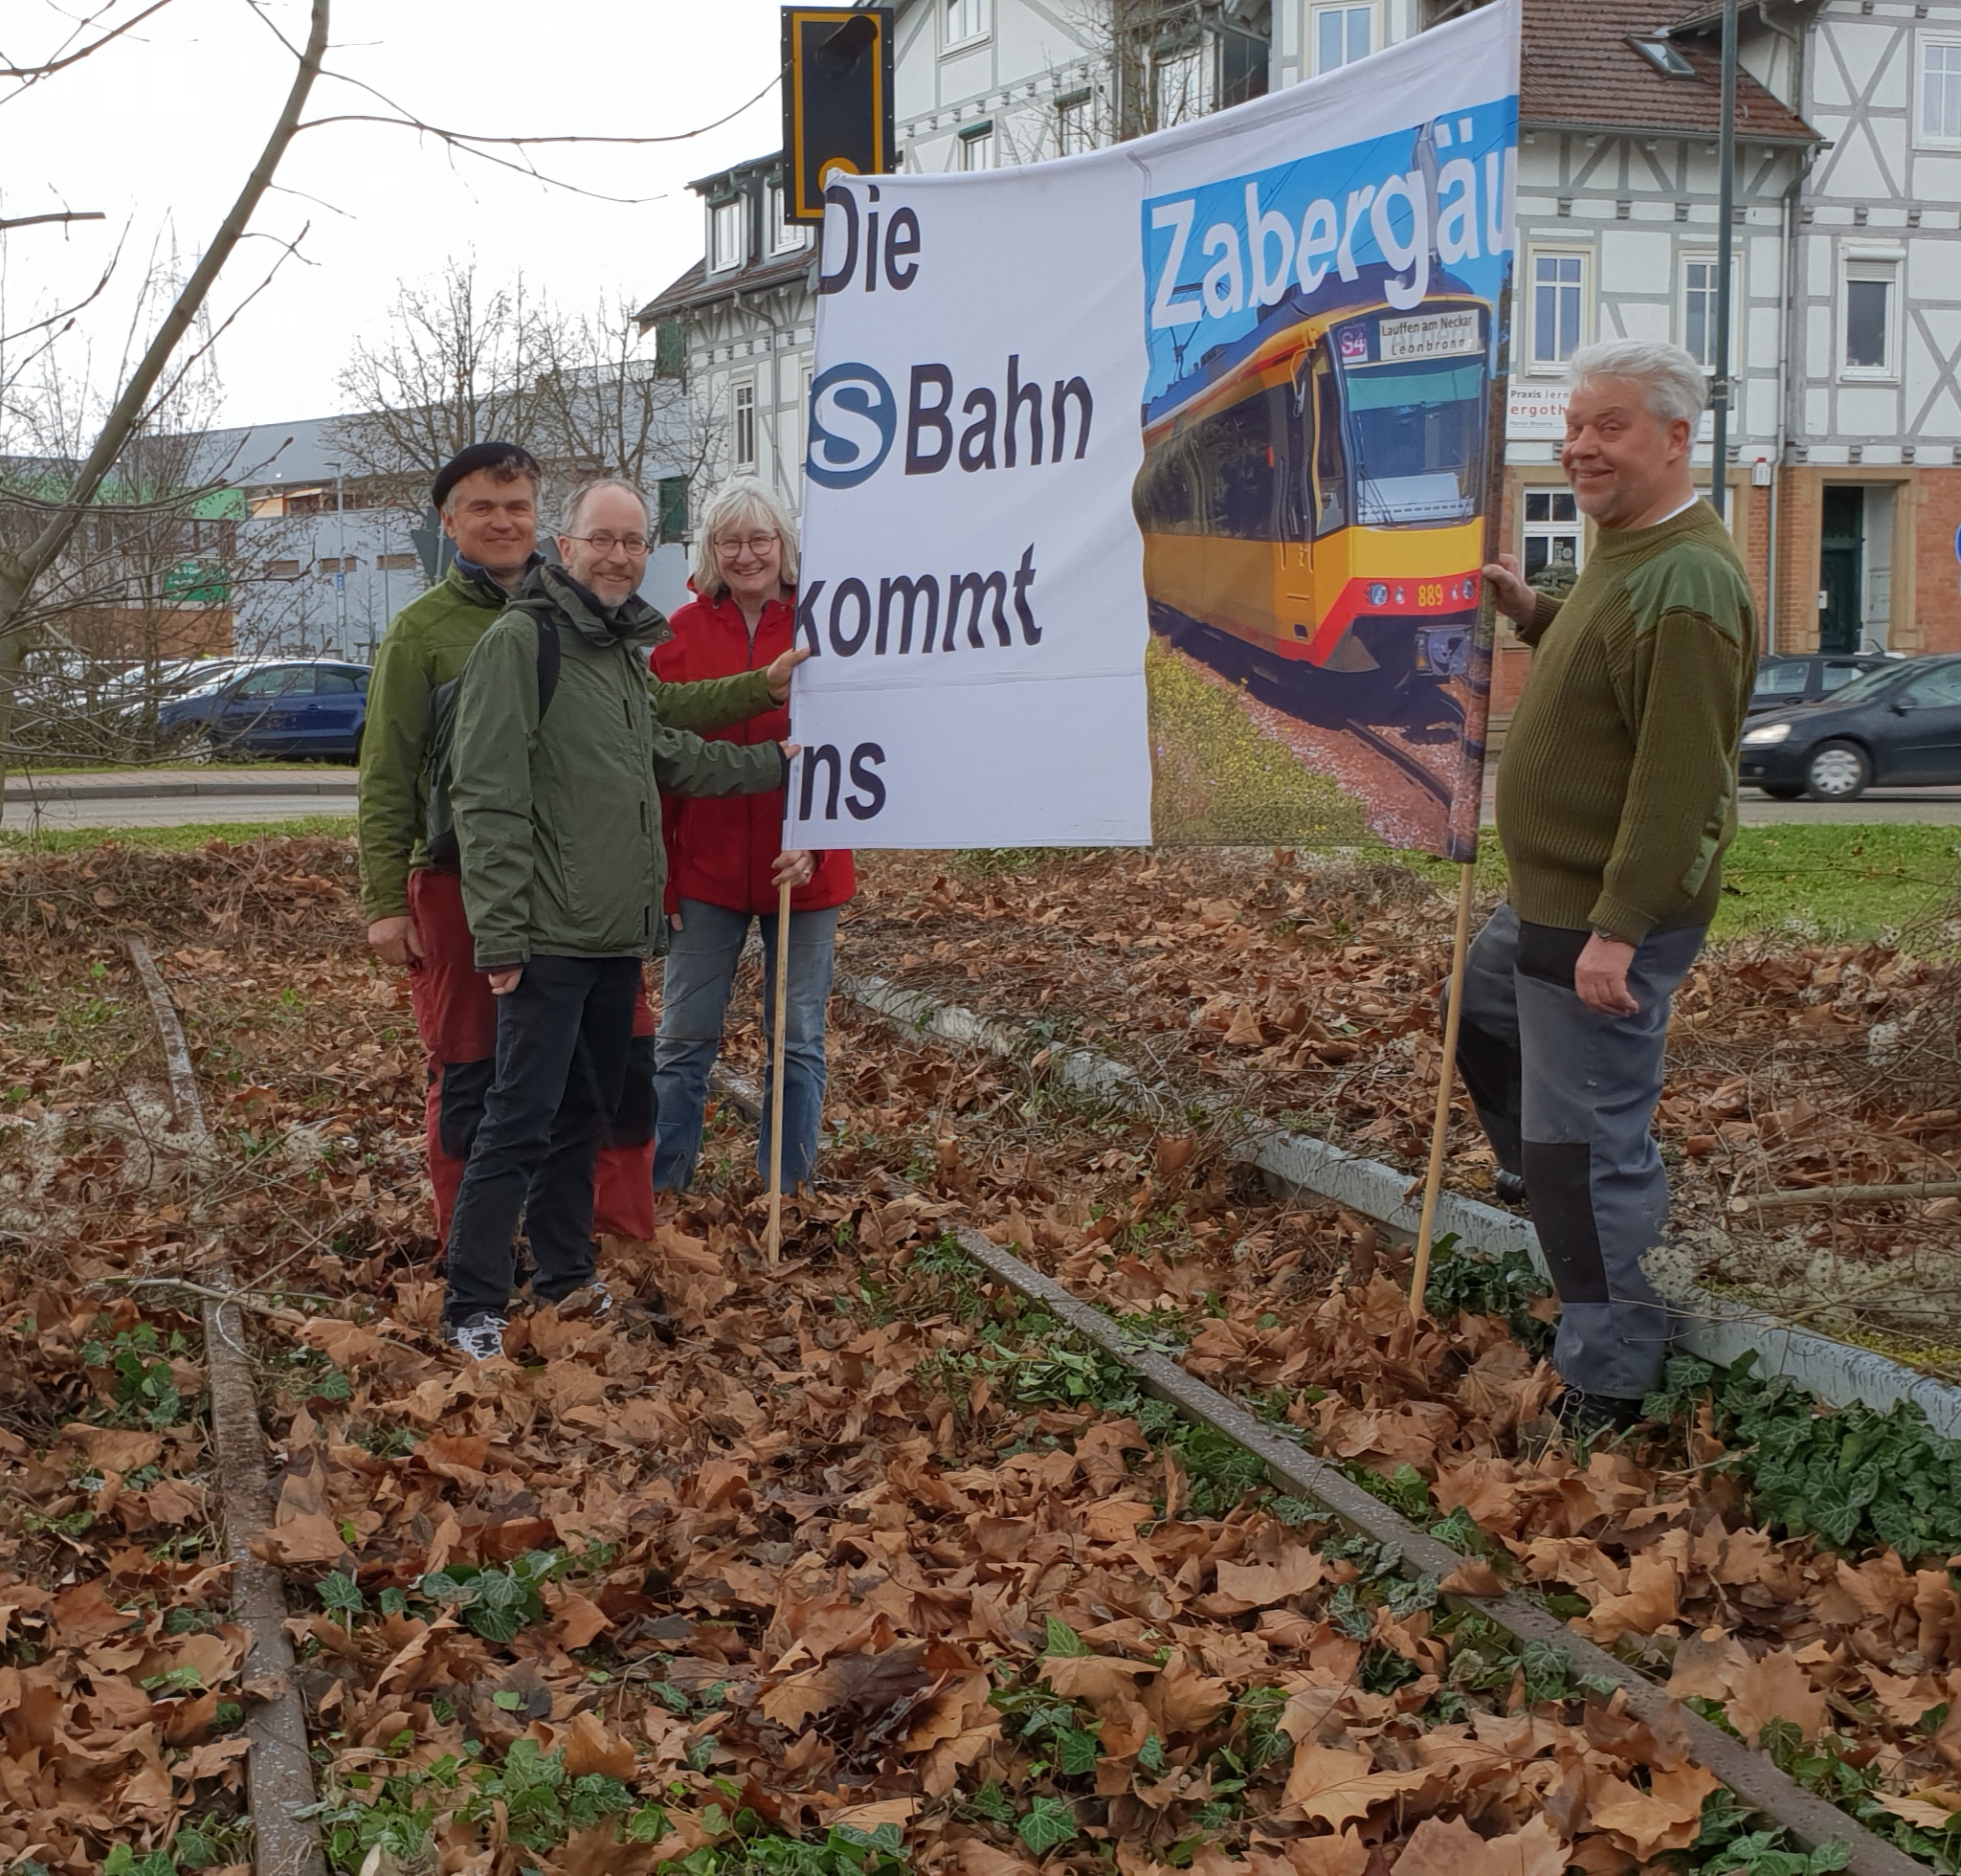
487	495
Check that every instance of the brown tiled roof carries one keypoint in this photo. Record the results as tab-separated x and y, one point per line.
1578	70
695	289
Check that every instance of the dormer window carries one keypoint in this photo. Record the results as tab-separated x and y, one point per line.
1665	56
725	247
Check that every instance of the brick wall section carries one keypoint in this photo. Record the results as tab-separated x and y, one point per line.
1934	504
1799	500
1754	506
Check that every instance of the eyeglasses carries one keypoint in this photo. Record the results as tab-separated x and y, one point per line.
757	543
634	544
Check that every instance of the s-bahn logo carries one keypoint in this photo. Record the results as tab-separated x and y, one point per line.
853	419
1354	345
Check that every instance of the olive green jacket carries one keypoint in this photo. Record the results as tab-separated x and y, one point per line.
558	821
426	647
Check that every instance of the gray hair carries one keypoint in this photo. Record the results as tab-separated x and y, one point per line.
587	490
744	503
1678	387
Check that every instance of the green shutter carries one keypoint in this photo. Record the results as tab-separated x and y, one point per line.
671	348
674	507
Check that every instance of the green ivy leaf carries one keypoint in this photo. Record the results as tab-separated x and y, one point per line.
1047	1825
1063	1640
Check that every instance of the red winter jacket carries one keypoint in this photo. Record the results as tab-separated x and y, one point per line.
721	851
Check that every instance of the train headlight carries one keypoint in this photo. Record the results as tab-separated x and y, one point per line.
1378	595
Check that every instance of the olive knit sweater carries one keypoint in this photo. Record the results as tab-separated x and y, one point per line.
1616	790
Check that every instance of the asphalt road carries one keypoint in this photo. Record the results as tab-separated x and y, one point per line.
1923	806
1927	807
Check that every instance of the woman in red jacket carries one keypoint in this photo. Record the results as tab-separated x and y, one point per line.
721	855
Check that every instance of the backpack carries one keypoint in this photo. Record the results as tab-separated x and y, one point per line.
439	820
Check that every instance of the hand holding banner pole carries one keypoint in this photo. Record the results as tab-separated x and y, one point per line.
1439	1129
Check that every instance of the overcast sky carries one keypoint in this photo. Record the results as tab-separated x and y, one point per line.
159	131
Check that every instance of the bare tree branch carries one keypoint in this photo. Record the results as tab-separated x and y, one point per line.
65	214
32	74
484	147
19	573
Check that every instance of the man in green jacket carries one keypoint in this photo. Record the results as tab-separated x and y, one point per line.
558	826
487	495
1617	796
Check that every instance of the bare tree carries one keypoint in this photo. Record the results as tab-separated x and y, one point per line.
66	486
453	368
462	362
22	569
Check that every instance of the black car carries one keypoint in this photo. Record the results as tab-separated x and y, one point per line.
317	706
1787	678
1900	724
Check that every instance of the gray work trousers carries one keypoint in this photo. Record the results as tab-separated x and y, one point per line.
1567	1096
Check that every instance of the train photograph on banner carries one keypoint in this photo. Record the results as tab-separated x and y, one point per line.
1318	446
1311	503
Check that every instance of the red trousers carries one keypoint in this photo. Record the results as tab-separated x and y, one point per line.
455	1015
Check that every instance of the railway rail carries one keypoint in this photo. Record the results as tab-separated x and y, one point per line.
285	1841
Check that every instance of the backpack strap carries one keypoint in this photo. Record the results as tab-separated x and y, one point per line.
548	656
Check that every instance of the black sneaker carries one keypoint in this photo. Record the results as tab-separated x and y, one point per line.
1510	1187
1590	1417
481	1337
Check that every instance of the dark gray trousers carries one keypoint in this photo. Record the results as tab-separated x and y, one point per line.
1567	1096
564	1039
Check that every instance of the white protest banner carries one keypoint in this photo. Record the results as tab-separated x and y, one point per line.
1146	493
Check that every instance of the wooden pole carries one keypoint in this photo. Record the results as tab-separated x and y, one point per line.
780	1023
1439	1129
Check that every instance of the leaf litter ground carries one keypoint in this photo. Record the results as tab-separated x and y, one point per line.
868	1565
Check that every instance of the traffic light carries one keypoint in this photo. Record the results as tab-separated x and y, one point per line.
836	101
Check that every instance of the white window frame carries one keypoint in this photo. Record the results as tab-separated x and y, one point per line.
731	214
1709	258
1311	16
1076	122
965	24
979	148
806	370
1888	264
1556	367
743	425
1550	531
1196	97
1924	138
785	236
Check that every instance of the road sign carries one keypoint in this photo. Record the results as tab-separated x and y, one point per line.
836	101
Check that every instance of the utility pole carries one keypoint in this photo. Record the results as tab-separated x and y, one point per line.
1726	270
340	565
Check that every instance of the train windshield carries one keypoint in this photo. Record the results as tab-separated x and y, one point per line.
1416	436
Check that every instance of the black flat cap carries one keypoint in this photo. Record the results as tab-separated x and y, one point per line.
507	458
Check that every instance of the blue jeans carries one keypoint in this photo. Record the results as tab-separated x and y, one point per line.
694	1001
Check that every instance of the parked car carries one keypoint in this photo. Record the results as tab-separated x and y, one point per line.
1900	724
1787	678
318	707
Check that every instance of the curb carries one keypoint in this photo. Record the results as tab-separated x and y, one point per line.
19	798
1837	1373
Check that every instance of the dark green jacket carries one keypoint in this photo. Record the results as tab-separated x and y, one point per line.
559	822
425	648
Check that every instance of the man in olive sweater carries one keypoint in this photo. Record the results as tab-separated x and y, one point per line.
1617	796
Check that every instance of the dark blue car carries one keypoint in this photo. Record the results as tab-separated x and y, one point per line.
315	707
1900	724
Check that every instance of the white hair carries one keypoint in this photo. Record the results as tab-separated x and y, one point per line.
1678	387
747	504
584	491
